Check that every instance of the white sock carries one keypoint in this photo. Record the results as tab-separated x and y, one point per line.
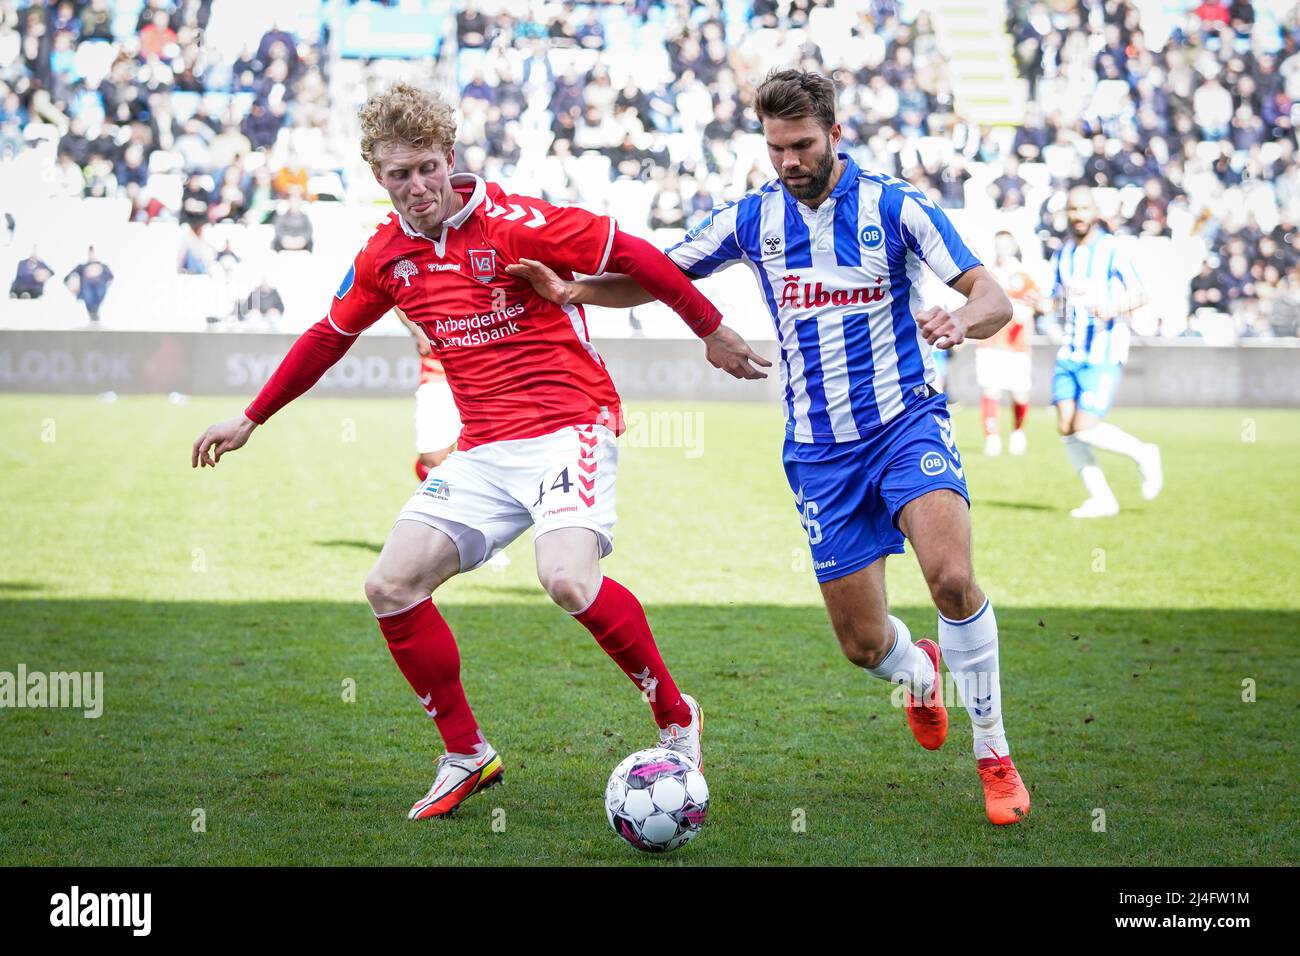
971	649
1081	457
905	663
1108	437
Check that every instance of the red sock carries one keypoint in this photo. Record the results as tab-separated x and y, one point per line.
989	412
1021	409
617	622
421	643
421	469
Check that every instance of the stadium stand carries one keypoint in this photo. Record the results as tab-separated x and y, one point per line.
175	136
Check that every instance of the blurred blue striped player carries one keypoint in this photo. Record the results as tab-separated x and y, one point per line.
1096	289
869	453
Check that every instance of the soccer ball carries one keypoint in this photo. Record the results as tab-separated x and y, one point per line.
656	800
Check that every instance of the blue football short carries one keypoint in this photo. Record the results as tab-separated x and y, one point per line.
849	494
1091	387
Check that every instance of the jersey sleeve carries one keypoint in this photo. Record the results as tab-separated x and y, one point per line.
360	302
931	235
570	237
1123	272
1057	285
710	246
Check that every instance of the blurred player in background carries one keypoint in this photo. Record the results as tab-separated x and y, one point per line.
539	415
437	423
1096	288
869	452
1002	361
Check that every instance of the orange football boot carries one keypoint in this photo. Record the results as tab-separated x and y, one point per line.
928	719
456	781
1005	798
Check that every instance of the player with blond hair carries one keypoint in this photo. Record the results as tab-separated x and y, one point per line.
539	415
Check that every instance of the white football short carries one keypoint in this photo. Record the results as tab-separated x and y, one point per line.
487	496
1002	370
437	423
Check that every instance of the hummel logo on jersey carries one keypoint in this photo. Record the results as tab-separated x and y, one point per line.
772	244
444	267
513	213
483	264
403	269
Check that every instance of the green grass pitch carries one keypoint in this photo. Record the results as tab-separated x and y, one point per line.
225	610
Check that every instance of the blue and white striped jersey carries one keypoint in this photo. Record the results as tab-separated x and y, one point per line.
1086	278
842	283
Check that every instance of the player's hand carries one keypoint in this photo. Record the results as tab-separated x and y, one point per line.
543	280
218	439
728	351
941	328
422	346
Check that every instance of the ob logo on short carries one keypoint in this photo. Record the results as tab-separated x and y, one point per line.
933	463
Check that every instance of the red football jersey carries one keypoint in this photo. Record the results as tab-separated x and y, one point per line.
431	370
518	365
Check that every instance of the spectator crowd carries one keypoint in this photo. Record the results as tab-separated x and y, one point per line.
1197	129
1191	121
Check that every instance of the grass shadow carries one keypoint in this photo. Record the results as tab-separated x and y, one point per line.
373	546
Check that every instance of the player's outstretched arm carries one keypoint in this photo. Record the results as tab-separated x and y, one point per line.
987	309
644	273
310	357
612	290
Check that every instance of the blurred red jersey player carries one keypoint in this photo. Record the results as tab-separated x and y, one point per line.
539	416
437	422
1003	362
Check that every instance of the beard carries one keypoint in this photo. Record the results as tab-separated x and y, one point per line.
818	178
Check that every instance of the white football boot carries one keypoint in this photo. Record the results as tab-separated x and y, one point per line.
1096	508
993	445
686	740
458	779
1153	474
1017	444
